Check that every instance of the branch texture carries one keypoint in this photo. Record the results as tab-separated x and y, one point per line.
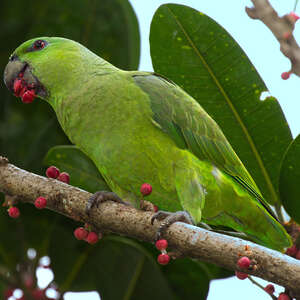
281	27
192	241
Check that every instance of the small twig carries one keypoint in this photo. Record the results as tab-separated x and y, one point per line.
261	287
281	27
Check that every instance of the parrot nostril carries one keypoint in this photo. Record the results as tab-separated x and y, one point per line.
13	57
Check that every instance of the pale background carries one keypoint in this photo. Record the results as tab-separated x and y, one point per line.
263	50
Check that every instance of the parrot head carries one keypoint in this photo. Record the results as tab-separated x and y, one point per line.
42	67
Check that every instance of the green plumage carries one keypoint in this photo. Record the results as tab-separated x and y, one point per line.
139	127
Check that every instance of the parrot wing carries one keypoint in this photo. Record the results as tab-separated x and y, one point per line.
190	127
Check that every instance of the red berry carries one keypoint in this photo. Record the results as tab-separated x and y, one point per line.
92	238
28	96
14	212
292	251
64	177
283	296
285	75
161	245
23	90
80	233
294	16
40	202
241	275
155	208
244	262
8	293
17	87
163	259
52	172
270	289
146	189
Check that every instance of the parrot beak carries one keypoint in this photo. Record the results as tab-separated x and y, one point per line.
18	78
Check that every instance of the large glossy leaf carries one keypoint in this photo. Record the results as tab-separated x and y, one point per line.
128	265
83	173
289	183
200	56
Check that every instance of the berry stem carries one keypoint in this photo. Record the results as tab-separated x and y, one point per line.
261	287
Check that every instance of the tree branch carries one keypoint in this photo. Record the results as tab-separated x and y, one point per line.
192	241
281	27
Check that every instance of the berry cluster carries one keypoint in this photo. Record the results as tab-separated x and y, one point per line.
243	263
41	202
246	264
24	90
53	172
83	233
163	258
286	36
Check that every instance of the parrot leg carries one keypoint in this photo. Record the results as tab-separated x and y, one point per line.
168	219
100	197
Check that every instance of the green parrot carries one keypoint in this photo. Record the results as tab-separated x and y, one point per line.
140	127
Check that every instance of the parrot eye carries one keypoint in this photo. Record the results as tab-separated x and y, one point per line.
38	45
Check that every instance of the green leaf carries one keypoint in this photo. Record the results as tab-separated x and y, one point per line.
289	183
128	265
83	173
205	61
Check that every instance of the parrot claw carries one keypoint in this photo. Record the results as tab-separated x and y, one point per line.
168	219
100	197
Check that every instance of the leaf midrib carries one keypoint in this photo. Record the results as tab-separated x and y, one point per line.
231	106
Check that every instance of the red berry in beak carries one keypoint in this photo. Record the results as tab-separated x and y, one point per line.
17	87
28	96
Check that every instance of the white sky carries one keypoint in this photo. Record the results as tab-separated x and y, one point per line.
263	50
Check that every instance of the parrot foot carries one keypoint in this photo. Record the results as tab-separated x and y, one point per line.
168	219
205	226
147	206
100	197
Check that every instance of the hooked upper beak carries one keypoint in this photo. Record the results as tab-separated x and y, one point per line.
16	69
12	70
